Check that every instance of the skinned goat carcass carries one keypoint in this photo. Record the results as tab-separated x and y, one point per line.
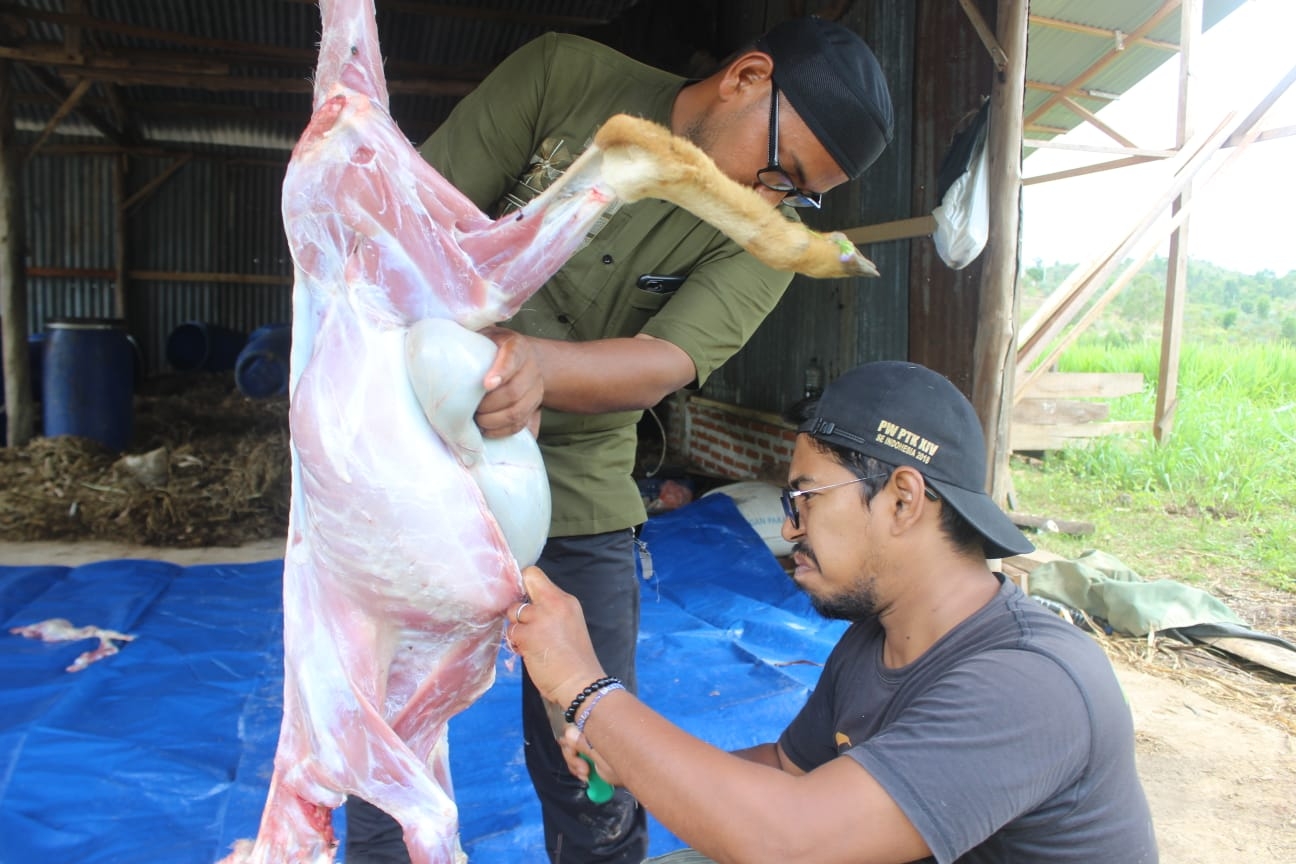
406	527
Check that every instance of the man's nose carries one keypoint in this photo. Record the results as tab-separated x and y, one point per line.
789	531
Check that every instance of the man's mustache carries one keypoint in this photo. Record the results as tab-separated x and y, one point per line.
805	552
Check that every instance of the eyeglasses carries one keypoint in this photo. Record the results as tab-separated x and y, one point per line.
772	176
789	496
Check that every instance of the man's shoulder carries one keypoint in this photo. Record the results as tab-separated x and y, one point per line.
568	52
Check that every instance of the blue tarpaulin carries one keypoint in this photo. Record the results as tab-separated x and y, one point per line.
163	752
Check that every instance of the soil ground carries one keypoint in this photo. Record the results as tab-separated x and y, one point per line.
1221	776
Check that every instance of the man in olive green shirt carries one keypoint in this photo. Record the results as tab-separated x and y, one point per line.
803	111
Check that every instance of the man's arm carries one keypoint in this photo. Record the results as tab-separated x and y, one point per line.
730	808
578	377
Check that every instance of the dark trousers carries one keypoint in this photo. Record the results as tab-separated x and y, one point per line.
600	571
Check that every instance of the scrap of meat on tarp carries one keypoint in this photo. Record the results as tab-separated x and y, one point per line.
62	630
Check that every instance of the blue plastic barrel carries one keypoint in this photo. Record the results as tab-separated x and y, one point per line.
35	347
88	380
262	367
197	345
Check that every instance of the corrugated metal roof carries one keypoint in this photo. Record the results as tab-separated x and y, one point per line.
1102	34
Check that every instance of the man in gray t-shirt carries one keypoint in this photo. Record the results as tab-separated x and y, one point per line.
955	720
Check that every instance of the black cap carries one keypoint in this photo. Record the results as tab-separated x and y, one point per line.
835	84
906	414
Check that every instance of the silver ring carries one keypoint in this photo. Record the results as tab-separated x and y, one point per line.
517	616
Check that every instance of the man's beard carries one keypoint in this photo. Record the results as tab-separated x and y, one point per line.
858	603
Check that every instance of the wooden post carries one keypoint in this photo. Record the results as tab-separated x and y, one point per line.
1190	23
20	412
995	349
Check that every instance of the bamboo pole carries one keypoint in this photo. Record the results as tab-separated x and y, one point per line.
995	348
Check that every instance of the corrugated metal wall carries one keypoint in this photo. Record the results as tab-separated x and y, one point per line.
957	75
842	323
213	217
221	216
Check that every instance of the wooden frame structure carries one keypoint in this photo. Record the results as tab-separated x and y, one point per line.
1063	318
1014	384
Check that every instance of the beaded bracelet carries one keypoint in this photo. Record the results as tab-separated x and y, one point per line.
580	721
570	714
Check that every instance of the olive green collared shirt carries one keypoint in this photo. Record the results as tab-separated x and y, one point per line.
507	141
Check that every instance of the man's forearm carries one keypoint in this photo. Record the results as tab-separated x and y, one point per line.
610	374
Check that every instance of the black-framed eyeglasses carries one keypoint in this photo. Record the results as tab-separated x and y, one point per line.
789	496
772	176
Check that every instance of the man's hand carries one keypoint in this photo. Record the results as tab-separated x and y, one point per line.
548	630
514	387
574	745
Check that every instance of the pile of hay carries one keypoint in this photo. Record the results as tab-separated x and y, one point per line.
207	467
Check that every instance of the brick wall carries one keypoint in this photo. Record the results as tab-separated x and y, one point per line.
729	441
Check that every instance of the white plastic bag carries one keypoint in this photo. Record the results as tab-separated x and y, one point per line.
963	217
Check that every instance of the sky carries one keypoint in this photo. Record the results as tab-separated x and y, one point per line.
1243	218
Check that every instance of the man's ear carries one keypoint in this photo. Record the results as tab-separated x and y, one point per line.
753	68
910	501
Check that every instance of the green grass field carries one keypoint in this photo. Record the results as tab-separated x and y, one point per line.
1217	500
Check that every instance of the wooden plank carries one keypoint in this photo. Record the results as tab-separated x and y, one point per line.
900	229
1059	411
1050	525
1266	654
1084	385
1030	436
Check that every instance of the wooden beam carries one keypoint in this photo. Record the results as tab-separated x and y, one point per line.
1097	123
68	106
1050	144
1097	95
997	55
55	87
108	275
150	187
995	344
1087	169
1102	62
1190	24
900	229
20	411
1261	108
